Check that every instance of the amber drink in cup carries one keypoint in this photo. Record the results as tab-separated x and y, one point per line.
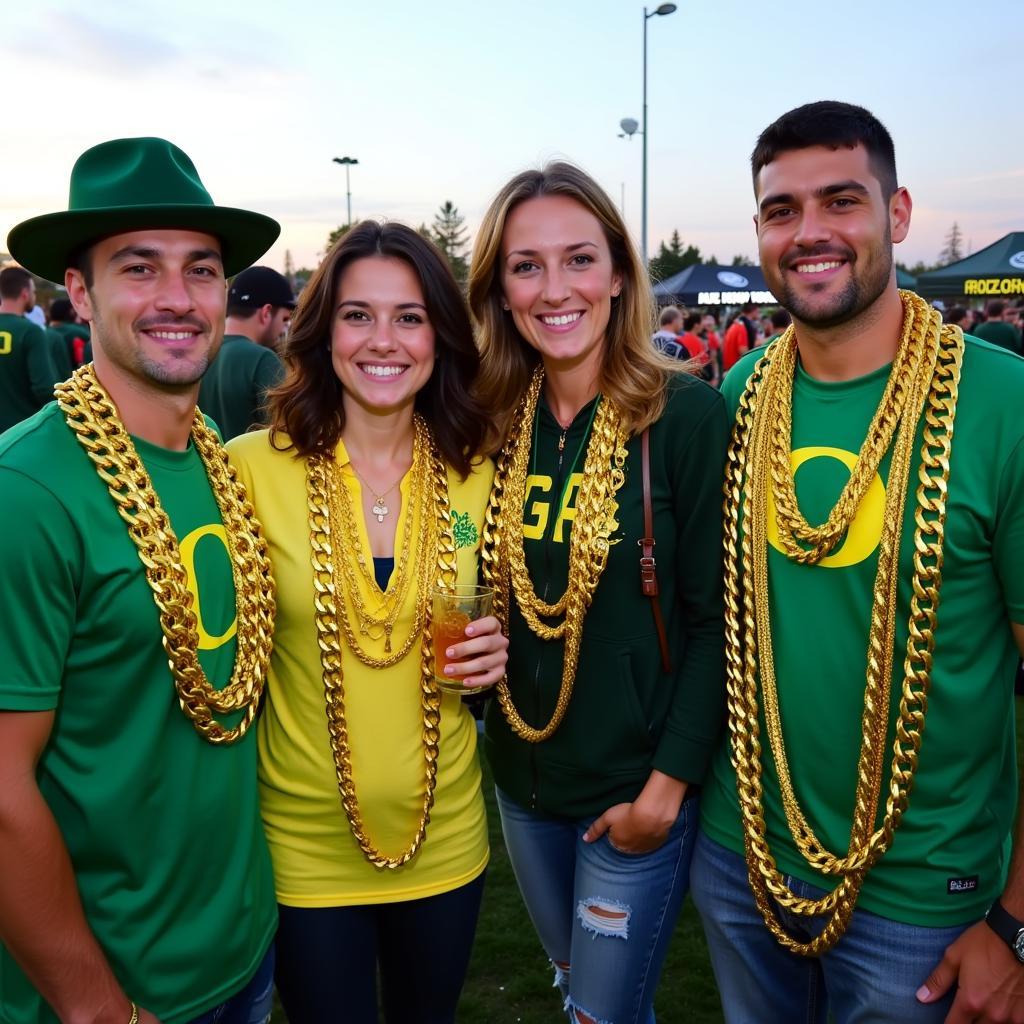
454	609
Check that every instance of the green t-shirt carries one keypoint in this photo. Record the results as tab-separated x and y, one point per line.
163	828
234	389
27	374
59	354
950	855
76	341
999	332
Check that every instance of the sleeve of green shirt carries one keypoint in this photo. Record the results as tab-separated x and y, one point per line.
1008	541
37	593
41	372
694	722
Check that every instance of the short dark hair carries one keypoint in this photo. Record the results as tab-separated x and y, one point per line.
243	310
62	311
81	260
307	406
954	315
995	307
781	319
13	281
832	124
748	307
693	320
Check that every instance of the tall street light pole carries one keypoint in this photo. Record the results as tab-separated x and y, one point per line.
347	162
661	9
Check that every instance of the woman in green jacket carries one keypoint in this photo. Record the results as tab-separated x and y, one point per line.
601	734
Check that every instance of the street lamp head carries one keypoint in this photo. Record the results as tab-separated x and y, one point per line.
665	9
345	160
629	125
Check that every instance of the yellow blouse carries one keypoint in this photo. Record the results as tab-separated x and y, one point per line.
317	862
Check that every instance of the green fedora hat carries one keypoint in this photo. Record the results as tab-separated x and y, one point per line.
131	185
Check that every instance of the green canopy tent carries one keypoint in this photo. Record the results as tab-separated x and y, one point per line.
994	272
905	280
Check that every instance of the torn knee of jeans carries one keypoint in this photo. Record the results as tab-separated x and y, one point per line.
561	974
580	1016
601	916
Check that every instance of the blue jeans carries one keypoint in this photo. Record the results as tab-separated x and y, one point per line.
604	917
328	958
252	1005
870	977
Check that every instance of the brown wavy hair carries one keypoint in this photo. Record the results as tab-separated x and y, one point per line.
634	373
307	406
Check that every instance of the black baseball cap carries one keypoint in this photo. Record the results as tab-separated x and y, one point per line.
260	286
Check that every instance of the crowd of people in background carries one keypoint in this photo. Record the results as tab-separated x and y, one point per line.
693	334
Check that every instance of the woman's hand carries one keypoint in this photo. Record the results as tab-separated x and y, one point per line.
481	660
644	824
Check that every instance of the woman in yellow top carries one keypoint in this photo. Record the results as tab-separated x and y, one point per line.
369	496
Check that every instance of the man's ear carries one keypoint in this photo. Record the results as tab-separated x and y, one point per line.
78	293
900	208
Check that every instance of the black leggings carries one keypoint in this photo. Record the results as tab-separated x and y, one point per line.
328	958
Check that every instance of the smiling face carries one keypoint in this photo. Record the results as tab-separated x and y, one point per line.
825	232
558	281
382	341
156	304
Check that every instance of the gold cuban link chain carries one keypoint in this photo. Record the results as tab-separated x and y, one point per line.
93	417
435	535
504	555
929	378
381	626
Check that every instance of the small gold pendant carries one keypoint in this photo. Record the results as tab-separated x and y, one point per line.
380	510
561	442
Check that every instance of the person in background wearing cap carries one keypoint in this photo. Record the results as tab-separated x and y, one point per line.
27	374
234	389
135	882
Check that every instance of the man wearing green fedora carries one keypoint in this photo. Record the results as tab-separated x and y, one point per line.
135	885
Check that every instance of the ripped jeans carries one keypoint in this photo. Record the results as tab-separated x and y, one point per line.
608	915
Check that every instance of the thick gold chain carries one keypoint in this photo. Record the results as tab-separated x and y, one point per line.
504	555
435	535
928	371
93	417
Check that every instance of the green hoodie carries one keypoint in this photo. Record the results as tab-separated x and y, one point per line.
626	716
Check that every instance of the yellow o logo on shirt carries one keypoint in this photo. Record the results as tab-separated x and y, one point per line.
866	529
188	560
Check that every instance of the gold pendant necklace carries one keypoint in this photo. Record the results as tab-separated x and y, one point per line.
437	542
93	417
504	557
924	377
380	509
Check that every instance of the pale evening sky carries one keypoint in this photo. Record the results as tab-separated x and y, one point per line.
447	100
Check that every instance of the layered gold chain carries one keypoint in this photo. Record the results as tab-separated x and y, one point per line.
436	539
93	417
380	625
504	555
925	376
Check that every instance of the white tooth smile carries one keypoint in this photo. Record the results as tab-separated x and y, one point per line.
561	320
173	335
817	268
383	371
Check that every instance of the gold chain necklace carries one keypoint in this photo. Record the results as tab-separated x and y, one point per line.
436	537
93	417
928	371
504	556
371	625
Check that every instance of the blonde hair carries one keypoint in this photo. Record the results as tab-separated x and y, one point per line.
634	373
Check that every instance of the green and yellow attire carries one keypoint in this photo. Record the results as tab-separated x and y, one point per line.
317	862
162	828
950	854
27	374
626	716
234	389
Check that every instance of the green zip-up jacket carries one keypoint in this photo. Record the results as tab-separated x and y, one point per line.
626	716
